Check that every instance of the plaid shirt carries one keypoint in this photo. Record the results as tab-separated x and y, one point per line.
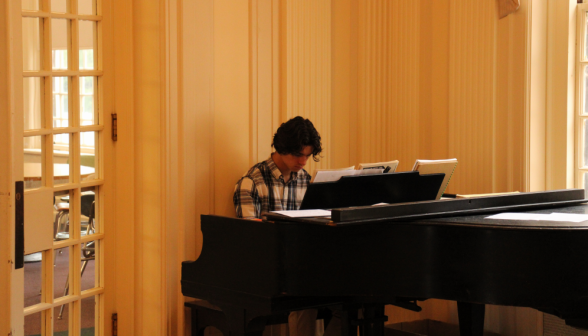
262	189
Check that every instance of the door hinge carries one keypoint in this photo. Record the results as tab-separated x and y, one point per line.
114	324
114	127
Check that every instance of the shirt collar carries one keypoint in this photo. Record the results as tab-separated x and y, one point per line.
276	173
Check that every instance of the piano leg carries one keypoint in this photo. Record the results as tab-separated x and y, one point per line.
348	320
241	323
374	317
471	318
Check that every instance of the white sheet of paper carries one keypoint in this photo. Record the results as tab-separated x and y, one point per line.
335	175
304	213
566	217
556	217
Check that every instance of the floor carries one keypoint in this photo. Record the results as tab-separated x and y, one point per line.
33	294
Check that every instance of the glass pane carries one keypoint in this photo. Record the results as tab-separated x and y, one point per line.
87	156
60	43
30	5
33	102
33	167
586	38
87	7
31	44
60	102
61	158
33	277
87	115
59	6
87	44
88	266
33	324
88	207
61	272
89	316
61	325
61	215
586	185
585	89
585	142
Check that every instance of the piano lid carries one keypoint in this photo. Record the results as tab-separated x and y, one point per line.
448	208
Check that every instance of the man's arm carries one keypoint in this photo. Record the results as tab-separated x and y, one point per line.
246	200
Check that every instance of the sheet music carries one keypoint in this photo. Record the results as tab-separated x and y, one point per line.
335	175
304	213
554	216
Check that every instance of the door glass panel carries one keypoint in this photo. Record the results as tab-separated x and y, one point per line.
585	90
87	7
61	215
60	102
88	156
33	324
89	316
33	166
585	185
87	106
585	144
87	44
61	271
89	272
31	44
61	158
59	6
33	277
32	5
59	43
586	40
32	102
61	325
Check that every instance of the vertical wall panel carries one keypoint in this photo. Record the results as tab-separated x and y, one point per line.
308	68
388	120
471	74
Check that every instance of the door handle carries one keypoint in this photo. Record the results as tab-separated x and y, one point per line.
19	225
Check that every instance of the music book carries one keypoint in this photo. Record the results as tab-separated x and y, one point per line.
387	167
435	167
327	174
485	195
330	175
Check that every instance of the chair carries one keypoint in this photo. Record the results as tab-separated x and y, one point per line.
61	232
61	223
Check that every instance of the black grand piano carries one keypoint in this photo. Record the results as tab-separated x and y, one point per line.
394	254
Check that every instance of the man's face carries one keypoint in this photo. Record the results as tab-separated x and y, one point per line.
297	161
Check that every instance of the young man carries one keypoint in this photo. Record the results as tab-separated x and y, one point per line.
279	183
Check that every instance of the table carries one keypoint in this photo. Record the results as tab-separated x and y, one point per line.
33	174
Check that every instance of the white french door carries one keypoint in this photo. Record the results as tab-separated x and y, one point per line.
60	150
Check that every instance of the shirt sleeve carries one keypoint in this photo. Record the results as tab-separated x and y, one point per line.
246	200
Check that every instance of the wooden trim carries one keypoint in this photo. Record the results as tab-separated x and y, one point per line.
126	266
15	157
560	102
6	180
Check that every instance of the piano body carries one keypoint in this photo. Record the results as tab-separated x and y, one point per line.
372	256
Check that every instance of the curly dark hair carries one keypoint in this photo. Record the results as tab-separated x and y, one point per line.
295	134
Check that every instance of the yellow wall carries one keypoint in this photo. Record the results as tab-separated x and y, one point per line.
382	80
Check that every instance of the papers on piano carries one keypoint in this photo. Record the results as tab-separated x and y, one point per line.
486	195
328	175
335	175
387	167
436	167
554	216
304	213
